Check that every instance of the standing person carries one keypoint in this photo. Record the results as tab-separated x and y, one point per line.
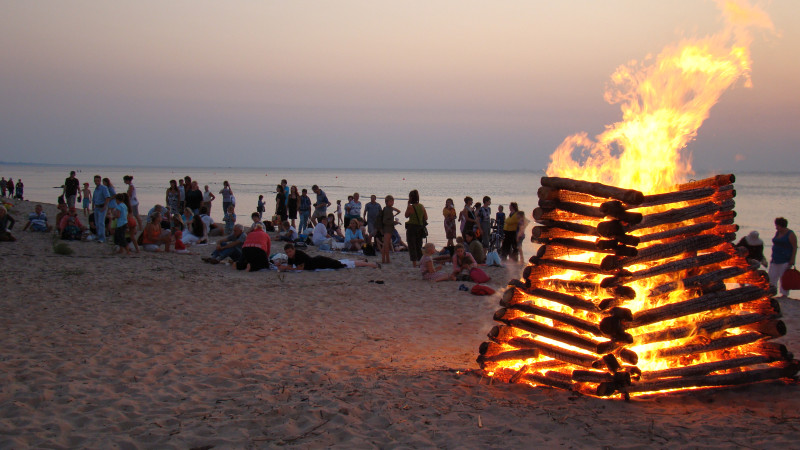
120	216
112	205
18	194
339	209
280	203
320	206
784	252
387	223
87	199
293	203
194	197
510	226
449	213
209	197
371	211
100	199
485	219
226	192
415	226
182	194
521	226
304	208
467	216
230	220
3	186
286	191
10	184
173	198
260	207
352	210
71	188
134	201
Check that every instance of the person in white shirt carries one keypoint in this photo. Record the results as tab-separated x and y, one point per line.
320	235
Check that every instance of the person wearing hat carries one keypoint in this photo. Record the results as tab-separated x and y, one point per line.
754	246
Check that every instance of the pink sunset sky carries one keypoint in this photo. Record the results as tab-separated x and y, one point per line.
363	84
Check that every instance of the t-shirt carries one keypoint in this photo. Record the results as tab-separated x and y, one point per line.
207	222
372	209
350	234
259	239
511	223
355	208
194	199
38	220
71	186
122	220
484	213
322	202
134	201
477	252
320	233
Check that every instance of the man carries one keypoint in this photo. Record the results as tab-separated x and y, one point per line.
71	187
321	205
352	210
320	235
37	220
100	199
70	226
230	247
371	210
288	232
194	197
474	247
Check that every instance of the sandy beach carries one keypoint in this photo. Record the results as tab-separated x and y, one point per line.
164	351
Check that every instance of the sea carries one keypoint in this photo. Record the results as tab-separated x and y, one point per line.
760	197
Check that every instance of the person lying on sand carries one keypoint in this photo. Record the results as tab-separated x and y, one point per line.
299	260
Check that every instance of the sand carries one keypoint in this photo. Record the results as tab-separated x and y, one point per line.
164	351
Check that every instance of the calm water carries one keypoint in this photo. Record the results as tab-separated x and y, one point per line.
760	196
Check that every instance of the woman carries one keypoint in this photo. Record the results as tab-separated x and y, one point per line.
153	236
173	200
521	226
226	192
754	247
510	227
197	232
133	224
387	227
449	213
255	250
209	197
429	270
784	252
467	216
280	204
133	200
293	204
415	226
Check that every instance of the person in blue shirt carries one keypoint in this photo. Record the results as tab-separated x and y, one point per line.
100	199
121	225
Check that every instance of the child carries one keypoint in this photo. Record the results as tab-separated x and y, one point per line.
177	233
500	218
256	220
87	199
230	220
429	270
259	209
338	213
120	213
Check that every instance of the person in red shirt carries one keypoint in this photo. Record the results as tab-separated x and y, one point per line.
255	250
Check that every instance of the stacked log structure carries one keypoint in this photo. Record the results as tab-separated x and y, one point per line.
631	293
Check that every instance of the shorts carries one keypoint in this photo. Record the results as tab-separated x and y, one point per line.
319	213
86	203
119	237
38	227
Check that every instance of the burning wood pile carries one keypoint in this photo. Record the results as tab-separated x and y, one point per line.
633	293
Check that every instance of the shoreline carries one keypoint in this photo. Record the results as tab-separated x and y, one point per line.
162	350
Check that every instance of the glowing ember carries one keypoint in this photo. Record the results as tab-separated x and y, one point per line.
632	293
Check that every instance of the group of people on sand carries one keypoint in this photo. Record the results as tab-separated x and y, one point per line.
11	190
784	252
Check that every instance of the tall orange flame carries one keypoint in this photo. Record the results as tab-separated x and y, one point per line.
664	101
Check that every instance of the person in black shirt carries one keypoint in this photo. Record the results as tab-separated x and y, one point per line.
194	197
299	260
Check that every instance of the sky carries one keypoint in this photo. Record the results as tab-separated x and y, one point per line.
447	84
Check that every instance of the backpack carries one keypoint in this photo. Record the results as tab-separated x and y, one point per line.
368	250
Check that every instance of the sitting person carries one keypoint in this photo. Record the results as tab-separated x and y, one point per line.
212	229
255	250
753	248
6	224
153	236
70	227
196	232
256	220
463	262
177	234
299	260
429	270
320	234
288	232
353	237
333	229
37	220
475	247
397	242
230	247
62	212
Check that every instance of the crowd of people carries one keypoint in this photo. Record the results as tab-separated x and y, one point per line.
369	228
